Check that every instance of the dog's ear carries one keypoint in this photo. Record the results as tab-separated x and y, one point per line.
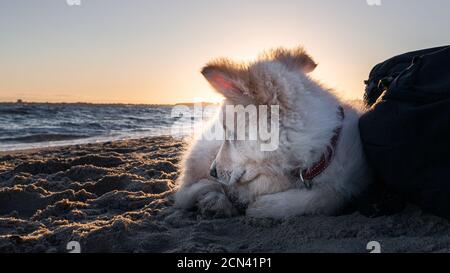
295	59
228	79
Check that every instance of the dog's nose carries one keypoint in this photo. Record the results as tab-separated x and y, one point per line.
213	171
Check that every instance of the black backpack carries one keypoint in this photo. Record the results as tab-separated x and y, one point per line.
406	132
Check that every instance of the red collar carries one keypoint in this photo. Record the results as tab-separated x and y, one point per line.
308	174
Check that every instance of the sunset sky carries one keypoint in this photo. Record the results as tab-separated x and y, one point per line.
151	51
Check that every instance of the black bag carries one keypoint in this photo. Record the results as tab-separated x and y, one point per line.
406	133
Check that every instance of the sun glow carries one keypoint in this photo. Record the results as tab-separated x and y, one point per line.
152	51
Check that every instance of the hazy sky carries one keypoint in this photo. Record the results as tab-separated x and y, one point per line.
151	51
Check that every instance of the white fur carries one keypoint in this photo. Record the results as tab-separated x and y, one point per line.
309	116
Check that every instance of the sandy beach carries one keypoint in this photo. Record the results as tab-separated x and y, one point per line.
117	197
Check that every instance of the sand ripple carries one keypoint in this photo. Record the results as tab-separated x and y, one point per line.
116	197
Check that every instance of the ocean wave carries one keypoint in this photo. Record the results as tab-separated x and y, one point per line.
43	138
42	125
15	111
89	125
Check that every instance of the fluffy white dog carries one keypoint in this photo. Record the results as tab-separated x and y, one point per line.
318	165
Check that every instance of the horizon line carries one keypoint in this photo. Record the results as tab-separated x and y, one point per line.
110	103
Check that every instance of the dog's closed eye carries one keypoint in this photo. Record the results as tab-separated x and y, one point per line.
249	176
236	176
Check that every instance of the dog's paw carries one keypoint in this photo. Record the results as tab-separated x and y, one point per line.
295	203
268	206
216	204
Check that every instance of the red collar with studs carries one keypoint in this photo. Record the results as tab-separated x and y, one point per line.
308	174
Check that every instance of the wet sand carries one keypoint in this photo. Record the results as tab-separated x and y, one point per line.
117	197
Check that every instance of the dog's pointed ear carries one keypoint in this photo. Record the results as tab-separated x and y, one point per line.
295	59
228	79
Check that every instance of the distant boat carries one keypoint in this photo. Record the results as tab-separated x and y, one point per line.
19	101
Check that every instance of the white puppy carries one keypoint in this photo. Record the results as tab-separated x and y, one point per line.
318	165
